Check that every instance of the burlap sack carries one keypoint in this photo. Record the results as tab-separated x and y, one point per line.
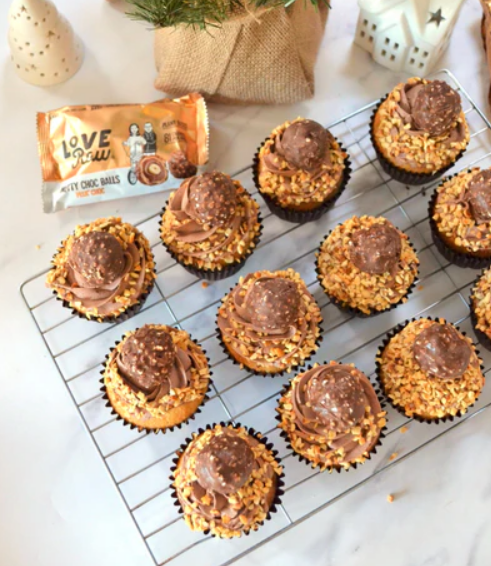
264	58
486	34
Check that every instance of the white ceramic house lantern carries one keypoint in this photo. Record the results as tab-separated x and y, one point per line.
44	49
406	35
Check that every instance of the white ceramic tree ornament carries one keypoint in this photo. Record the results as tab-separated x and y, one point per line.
406	35
45	51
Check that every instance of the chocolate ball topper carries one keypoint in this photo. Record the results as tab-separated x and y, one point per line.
180	166
478	196
213	198
376	249
436	108
225	463
304	144
98	257
148	355
336	397
274	303
442	352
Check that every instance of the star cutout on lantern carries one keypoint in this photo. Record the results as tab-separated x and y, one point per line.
436	17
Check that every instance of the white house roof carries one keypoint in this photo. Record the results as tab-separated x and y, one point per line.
417	14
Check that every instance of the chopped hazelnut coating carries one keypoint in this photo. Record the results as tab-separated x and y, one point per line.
460	212
481	302
358	289
292	186
401	127
226	481
421	394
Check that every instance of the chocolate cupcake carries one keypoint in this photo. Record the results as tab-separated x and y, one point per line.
331	416
301	170
419	130
156	377
460	218
151	170
104	271
481	308
269	322
367	266
429	370
180	166
211	225
226	481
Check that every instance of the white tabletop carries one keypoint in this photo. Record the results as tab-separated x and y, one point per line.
58	505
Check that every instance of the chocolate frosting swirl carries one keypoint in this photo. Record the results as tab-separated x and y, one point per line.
432	108
93	276
376	249
206	204
442	352
333	399
149	362
235	467
265	319
478	196
151	170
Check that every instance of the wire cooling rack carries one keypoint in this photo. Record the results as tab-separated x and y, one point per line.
139	463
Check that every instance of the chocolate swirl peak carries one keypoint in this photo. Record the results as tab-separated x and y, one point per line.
436	108
98	258
225	464
272	304
442	352
478	196
335	405
303	144
150	363
376	249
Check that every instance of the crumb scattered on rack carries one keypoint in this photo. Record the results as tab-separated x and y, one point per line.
204	284
420	287
390	498
393	456
38	247
404	429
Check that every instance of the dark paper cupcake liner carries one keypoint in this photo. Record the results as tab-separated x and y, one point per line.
483	338
214	274
353	466
132	426
252	432
341	305
301	216
264	373
402	175
400	408
460	259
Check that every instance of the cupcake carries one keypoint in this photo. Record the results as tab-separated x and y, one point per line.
104	271
226	481
419	130
367	266
151	170
331	416
460	218
300	170
269	322
211	225
156	377
481	309
429	370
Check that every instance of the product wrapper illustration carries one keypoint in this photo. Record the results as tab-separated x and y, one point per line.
96	153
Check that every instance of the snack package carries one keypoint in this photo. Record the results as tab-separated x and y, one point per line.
96	153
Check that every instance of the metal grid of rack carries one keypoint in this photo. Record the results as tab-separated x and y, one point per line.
139	463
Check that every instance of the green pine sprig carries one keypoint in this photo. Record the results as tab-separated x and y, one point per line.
197	13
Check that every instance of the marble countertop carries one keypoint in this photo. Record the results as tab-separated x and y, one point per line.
58	505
